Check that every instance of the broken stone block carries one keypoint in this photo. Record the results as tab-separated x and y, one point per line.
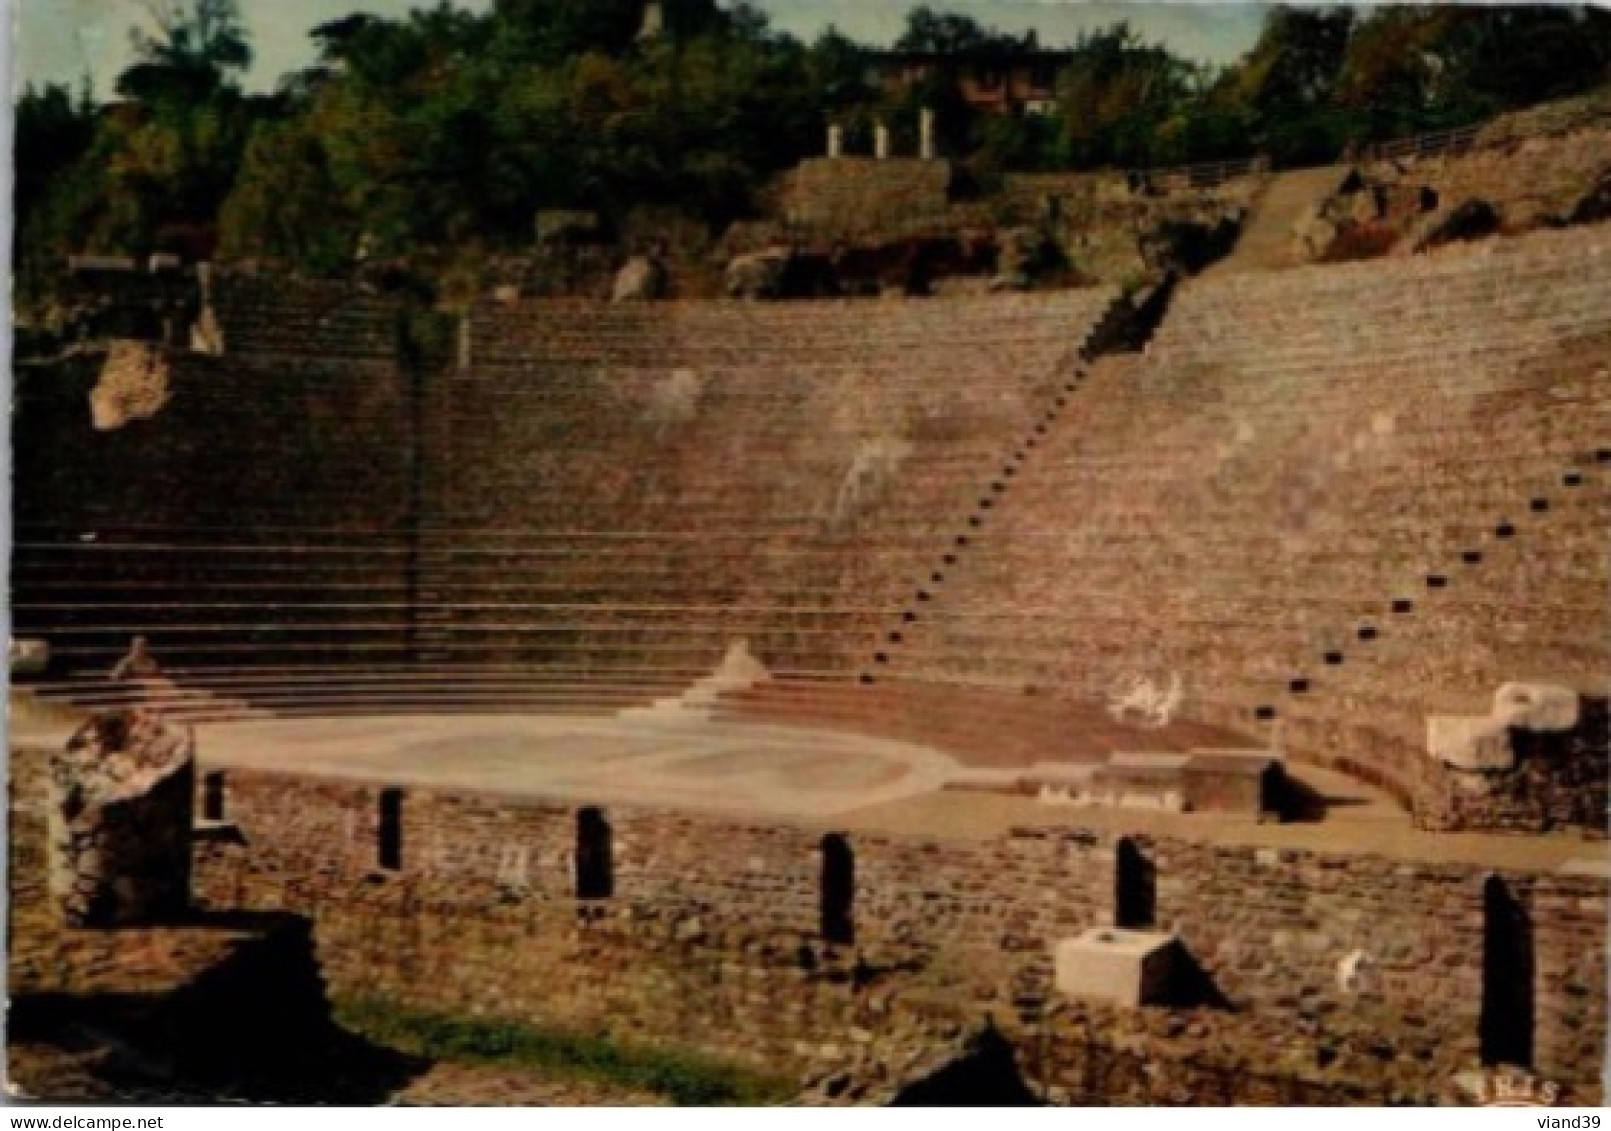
759	274
119	821
1472	743
134	385
1537	706
1122	967
642	279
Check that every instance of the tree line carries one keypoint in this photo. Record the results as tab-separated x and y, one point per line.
447	130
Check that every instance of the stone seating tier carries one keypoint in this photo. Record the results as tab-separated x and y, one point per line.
979	725
279	317
1296	452
622	561
237	444
825	446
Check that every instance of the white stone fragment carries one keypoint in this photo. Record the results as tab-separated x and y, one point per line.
1470	742
1537	706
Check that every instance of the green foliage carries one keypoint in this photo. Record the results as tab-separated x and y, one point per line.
685	1078
193	53
942	33
285	205
1125	102
439	135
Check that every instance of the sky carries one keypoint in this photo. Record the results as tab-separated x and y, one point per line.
63	40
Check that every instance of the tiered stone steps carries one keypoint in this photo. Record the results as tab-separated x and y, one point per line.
1326	542
1266	243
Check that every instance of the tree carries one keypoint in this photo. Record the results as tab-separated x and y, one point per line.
1116	95
54	131
1394	76
1502	58
942	33
929	31
195	50
1285	86
285	204
1295	62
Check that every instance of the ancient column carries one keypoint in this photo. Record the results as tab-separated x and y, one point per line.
654	21
881	141
836	140
926	134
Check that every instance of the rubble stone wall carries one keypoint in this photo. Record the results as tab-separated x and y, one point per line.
859	195
119	823
1115	234
712	937
1527	180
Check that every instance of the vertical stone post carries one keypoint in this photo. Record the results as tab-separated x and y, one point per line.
836	140
654	21
881	141
926	134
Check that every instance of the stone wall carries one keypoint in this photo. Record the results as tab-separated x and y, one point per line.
861	196
1110	230
724	948
1117	233
1529	182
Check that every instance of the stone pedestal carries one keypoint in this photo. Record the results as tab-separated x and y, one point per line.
1117	966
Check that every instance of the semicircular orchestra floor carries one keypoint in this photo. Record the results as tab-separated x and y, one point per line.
774	772
727	766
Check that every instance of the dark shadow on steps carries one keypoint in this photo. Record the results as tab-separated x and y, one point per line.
1303	803
985	1075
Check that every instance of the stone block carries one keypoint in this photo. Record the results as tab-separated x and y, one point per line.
1117	966
1536	706
29	657
135	384
1473	743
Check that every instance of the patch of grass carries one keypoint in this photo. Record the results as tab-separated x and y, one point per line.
687	1079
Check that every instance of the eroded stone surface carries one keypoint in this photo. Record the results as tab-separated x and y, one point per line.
1484	743
1472	743
1537	706
134	385
119	821
642	278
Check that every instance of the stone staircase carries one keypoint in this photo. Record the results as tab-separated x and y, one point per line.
739	672
1530	521
1122	327
1266	243
1249	505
